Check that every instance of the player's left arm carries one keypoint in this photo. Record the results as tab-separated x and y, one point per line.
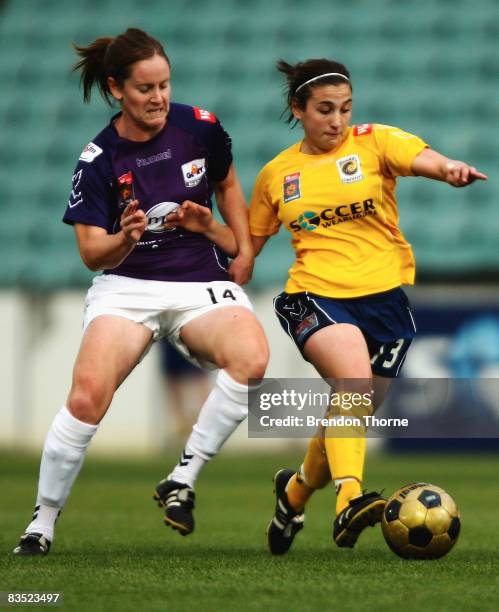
199	219
258	243
434	165
232	206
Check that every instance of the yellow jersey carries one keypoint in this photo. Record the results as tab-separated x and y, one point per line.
341	210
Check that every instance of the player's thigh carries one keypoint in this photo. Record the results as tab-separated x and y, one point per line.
339	351
388	326
226	336
111	347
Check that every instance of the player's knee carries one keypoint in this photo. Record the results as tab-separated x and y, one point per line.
86	401
249	365
257	357
246	359
82	408
258	365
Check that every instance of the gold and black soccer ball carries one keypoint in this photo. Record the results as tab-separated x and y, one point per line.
421	521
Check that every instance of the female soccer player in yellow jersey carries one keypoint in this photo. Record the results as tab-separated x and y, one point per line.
342	305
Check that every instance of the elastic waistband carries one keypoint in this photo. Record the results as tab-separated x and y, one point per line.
372	297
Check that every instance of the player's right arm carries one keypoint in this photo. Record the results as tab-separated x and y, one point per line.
105	237
100	250
263	219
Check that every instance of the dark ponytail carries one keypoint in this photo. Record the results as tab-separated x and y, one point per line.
297	75
92	67
113	57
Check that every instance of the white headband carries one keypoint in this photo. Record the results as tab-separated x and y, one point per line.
322	76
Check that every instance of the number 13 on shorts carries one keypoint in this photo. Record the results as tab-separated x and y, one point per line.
389	358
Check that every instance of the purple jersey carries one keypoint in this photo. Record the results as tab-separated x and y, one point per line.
180	163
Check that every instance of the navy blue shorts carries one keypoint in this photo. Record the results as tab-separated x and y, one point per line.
385	320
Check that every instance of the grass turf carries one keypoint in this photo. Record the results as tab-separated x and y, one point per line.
113	552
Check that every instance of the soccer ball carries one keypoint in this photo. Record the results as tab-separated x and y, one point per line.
421	521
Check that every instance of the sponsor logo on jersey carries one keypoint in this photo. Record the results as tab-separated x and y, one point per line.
76	196
156	217
291	187
125	187
204	115
311	220
193	172
90	152
152	159
363	129
308	220
350	169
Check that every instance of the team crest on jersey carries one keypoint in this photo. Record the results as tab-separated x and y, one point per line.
350	169
193	172
90	152
291	187
125	187
204	115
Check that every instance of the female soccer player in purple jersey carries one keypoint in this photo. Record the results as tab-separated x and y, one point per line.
140	206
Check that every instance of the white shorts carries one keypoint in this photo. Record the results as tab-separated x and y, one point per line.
162	306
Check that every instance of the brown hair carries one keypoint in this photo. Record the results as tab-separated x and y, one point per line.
298	74
113	57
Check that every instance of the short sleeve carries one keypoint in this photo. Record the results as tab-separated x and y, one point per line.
398	149
215	143
263	219
219	152
89	200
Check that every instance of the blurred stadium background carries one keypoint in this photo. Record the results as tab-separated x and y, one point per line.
430	67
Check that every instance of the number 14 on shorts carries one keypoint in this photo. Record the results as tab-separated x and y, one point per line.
221	294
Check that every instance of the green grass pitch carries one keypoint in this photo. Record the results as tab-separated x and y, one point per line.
112	551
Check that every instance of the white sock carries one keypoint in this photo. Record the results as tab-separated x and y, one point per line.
62	458
44	520
224	409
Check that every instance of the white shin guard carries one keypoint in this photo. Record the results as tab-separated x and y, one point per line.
224	409
62	458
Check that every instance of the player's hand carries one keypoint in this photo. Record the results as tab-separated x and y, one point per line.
191	216
459	174
241	268
133	222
